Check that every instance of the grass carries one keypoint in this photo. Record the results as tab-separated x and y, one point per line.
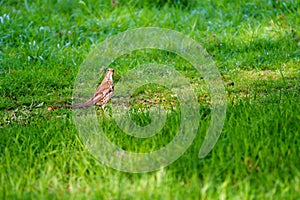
256	48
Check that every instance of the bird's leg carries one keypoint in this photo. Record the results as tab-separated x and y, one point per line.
101	113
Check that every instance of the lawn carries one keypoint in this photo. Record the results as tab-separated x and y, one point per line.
256	48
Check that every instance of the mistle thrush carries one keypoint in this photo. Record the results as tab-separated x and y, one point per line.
103	93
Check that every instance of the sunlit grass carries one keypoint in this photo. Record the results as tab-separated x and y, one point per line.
255	46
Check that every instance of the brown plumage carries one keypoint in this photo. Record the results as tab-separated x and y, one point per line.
103	93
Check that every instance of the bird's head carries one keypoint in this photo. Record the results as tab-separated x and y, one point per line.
110	70
109	74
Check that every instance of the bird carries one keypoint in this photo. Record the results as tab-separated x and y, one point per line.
103	93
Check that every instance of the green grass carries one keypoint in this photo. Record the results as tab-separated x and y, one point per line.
256	48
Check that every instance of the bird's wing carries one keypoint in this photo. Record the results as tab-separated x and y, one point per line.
103	89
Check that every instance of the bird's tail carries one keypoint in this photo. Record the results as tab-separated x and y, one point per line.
87	104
